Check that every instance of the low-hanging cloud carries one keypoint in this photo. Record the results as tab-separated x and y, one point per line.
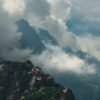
9	37
90	44
57	59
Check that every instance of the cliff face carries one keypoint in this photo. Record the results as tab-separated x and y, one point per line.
23	81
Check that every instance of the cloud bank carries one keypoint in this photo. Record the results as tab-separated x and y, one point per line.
57	59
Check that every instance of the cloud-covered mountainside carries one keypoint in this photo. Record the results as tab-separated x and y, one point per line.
62	36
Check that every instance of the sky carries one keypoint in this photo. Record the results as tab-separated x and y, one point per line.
64	32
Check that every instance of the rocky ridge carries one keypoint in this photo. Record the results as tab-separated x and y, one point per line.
24	81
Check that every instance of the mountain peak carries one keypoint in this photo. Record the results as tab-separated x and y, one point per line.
24	81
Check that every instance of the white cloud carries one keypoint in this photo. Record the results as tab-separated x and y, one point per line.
36	11
13	6
60	8
58	30
54	58
41	14
90	44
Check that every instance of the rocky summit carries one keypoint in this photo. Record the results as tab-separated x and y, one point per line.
24	81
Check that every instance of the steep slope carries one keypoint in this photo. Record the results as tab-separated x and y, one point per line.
23	81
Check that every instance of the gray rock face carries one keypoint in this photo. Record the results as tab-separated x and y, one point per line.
23	81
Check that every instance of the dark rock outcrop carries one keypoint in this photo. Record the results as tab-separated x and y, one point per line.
23	81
